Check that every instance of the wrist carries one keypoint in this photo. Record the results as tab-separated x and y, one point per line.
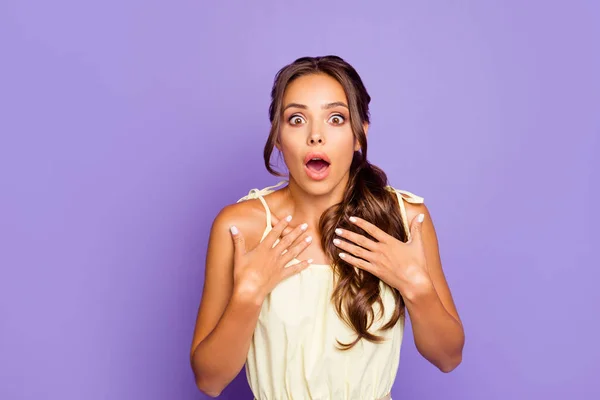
419	289
247	295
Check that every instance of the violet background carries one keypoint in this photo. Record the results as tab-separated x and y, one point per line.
127	125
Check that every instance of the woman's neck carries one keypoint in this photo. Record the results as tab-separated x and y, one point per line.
308	207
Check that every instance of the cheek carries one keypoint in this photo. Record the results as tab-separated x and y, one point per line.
342	149
344	142
290	148
291	137
288	143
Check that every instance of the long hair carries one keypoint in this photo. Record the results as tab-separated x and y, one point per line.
366	196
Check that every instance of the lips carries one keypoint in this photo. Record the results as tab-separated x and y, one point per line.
316	156
316	165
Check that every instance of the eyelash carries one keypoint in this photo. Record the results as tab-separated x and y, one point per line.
333	116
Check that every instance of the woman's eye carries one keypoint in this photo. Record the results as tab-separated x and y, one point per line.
336	119
296	120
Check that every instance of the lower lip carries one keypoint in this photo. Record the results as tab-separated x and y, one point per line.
317	176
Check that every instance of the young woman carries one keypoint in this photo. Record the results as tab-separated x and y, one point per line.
307	284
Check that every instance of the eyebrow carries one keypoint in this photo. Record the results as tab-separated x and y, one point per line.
324	107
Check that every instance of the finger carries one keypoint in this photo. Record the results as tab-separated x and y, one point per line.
295	268
355	250
298	238
357	262
295	250
239	244
275	220
356	238
287	240
416	228
371	229
274	234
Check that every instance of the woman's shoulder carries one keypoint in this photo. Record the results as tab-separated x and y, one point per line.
414	204
240	213
257	193
248	214
406	195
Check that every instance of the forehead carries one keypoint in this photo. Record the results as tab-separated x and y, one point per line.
314	89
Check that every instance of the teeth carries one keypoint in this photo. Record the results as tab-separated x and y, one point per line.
318	159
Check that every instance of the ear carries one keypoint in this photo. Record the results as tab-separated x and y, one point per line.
366	130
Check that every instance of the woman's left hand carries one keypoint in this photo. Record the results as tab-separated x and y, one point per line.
400	265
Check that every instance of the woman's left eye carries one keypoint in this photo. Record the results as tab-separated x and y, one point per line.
336	119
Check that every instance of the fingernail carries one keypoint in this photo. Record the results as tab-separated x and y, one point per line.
336	241
338	231
310	260
352	219
308	239
342	255
304	226
234	230
288	218
421	217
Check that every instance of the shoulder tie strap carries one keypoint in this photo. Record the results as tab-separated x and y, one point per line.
258	194
405	195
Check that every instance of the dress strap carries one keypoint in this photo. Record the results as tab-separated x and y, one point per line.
405	195
258	194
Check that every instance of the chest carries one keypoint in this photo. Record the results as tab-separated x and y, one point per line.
303	303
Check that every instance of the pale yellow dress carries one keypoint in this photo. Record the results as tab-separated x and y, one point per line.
294	354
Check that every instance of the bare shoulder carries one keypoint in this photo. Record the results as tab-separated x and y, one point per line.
413	203
414	209
249	216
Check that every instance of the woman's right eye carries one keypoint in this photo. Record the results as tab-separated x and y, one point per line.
295	120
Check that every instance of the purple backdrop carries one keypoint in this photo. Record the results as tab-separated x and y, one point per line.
127	125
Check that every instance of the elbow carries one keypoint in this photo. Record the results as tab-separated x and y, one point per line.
205	384
208	388
454	359
451	364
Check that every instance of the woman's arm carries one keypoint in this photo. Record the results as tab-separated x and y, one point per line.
226	320
438	332
415	269
238	278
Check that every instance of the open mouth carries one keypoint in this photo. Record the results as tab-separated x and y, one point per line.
317	165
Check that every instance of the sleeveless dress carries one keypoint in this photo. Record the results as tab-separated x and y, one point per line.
294	354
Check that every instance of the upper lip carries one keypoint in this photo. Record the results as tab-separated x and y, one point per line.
319	155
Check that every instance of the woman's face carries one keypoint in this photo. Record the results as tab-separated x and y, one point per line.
315	135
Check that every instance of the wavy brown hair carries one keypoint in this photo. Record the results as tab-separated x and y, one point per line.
365	196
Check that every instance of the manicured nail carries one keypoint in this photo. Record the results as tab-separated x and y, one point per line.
336	241
308	239
342	255
234	230
352	219
310	260
304	226
421	217
338	231
288	218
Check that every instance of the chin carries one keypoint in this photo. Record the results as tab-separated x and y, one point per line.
318	187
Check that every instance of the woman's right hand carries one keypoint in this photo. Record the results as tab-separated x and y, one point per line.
258	271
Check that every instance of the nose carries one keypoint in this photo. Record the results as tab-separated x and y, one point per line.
316	138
